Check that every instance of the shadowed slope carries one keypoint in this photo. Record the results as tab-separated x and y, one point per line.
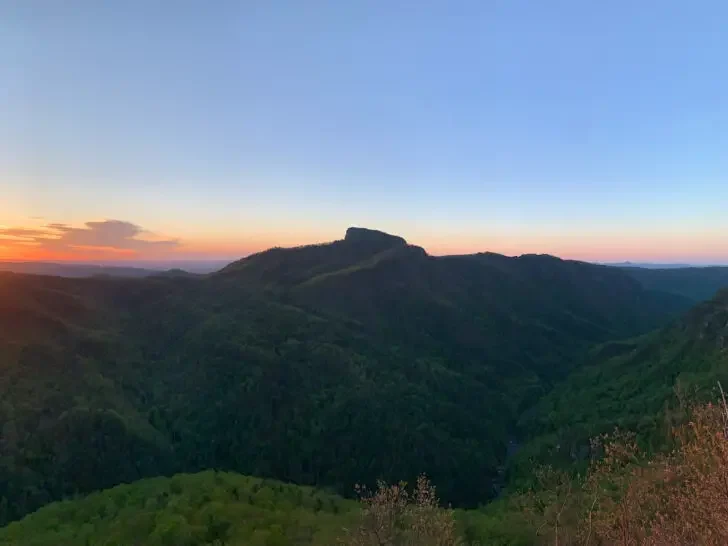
632	384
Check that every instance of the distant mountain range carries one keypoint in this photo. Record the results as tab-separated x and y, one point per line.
74	270
147	268
648	265
134	270
694	283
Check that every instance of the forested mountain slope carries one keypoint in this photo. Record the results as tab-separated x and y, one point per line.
636	384
328	365
695	283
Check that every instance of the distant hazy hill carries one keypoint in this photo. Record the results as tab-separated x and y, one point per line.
330	364
74	270
78	270
695	283
648	265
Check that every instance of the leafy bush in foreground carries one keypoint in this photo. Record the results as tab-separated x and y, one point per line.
624	499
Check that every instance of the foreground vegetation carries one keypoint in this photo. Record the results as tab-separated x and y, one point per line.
625	498
218	508
189	510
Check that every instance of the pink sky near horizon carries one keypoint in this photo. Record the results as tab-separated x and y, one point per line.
37	239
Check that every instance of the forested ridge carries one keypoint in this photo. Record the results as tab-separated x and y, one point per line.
324	365
638	384
205	508
695	283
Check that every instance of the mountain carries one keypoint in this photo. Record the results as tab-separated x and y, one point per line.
329	364
80	270
637	384
197	267
694	283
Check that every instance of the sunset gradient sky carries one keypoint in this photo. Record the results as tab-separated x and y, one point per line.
200	130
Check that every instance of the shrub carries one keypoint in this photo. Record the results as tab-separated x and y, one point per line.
394	516
627	499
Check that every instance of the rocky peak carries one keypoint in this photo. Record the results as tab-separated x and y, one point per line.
373	237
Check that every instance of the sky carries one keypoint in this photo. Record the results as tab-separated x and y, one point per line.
199	130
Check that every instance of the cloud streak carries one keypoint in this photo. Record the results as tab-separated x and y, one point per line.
104	237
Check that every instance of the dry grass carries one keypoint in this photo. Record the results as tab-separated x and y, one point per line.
676	499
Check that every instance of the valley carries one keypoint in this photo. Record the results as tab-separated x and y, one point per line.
332	365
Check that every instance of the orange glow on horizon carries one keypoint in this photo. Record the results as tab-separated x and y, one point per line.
47	243
215	251
658	248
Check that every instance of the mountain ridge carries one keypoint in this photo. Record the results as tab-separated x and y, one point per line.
287	363
695	283
636	384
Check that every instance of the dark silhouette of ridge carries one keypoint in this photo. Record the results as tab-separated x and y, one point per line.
373	236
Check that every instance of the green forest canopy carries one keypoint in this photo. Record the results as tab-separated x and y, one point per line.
325	365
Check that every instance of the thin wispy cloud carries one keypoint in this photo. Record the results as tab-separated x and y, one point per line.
107	236
23	233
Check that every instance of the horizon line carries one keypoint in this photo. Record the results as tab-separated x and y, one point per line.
132	262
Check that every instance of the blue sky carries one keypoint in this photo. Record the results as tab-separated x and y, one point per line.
595	130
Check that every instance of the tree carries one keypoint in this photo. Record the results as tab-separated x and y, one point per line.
217	530
394	516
